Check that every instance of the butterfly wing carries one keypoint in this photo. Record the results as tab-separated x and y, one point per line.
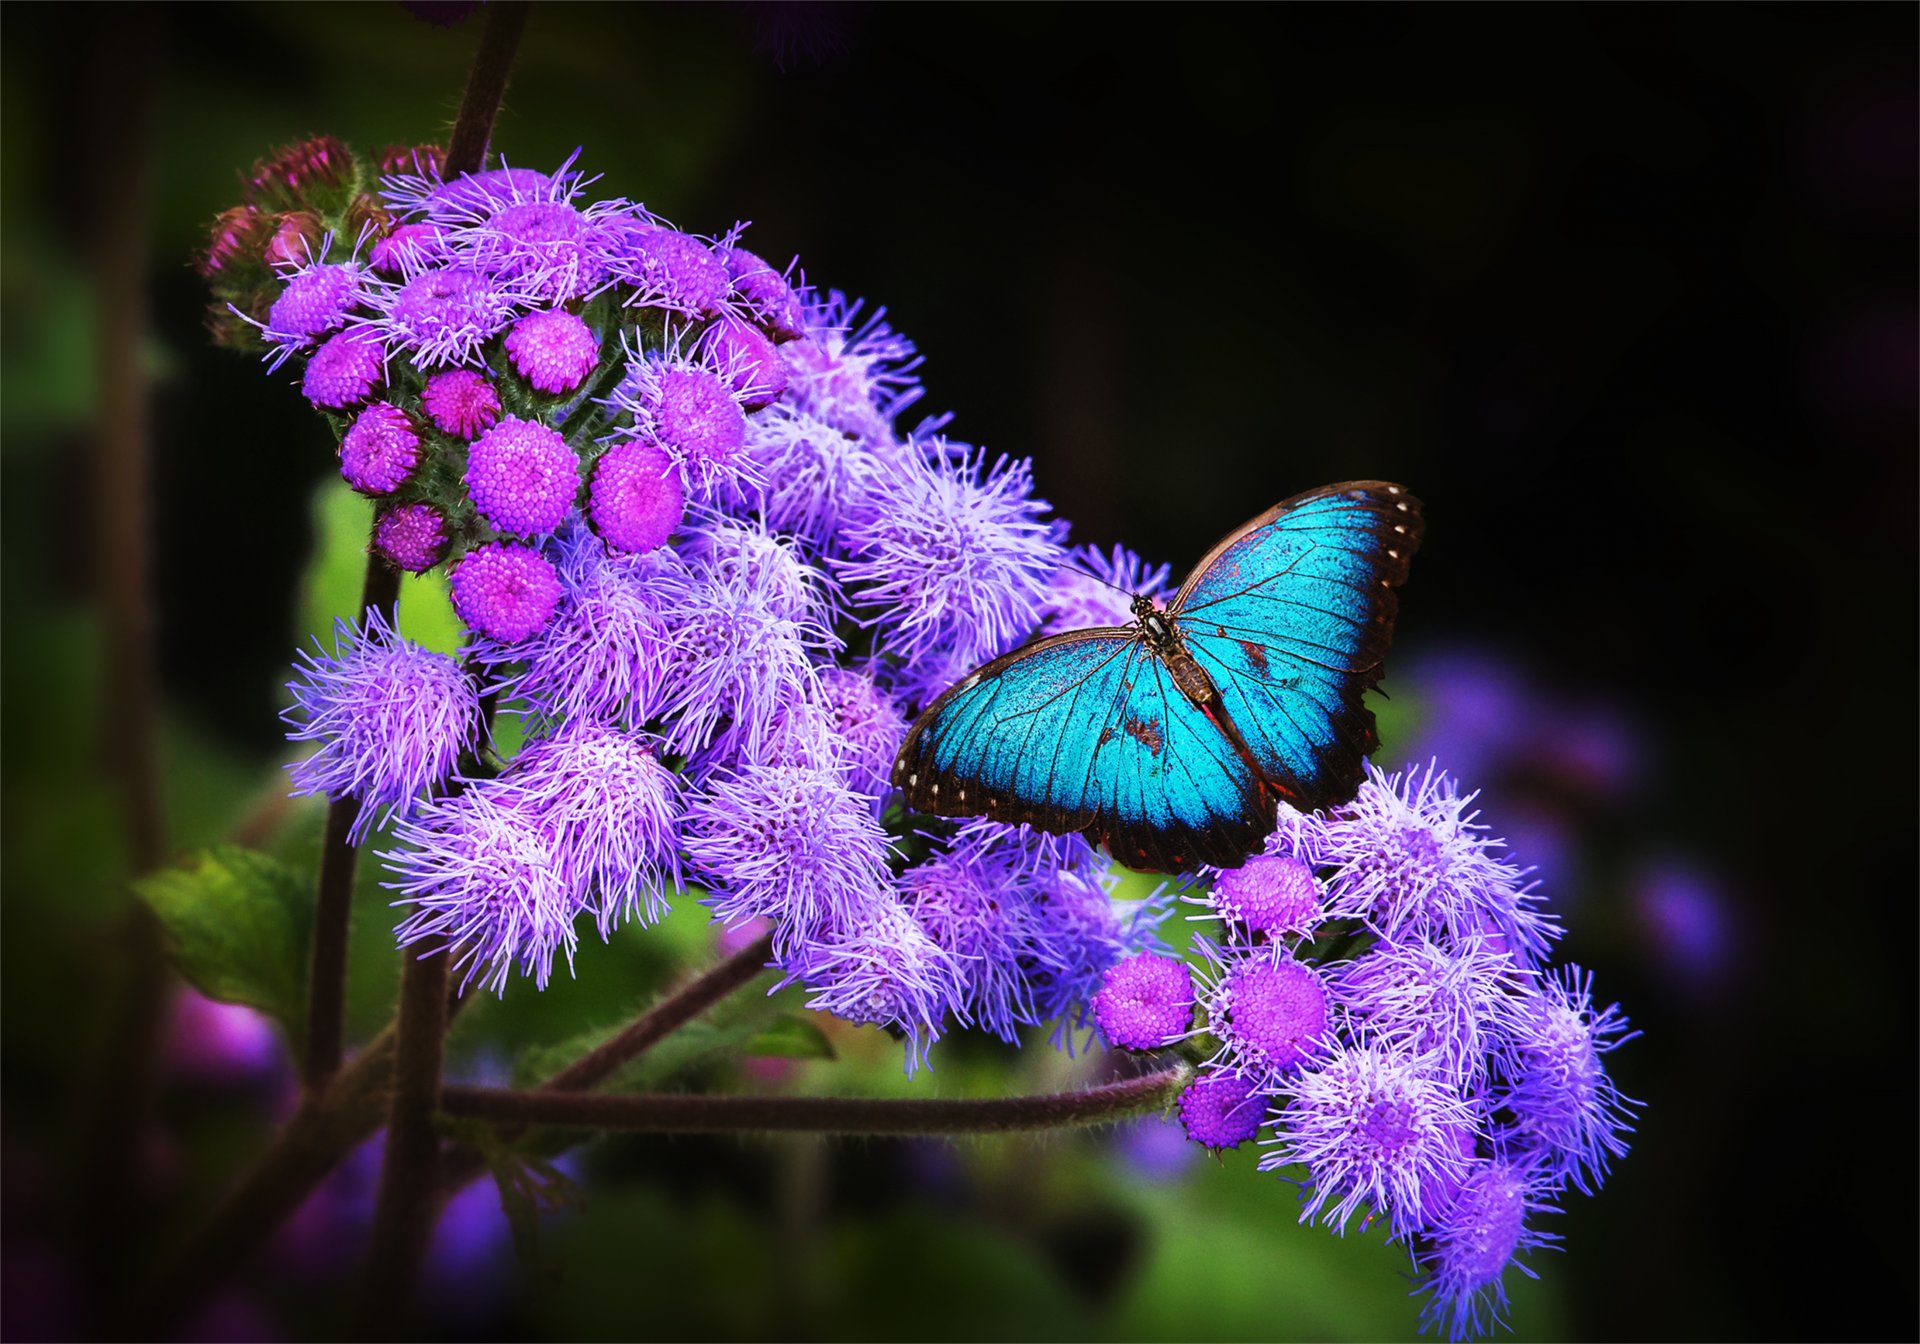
1087	732
1291	616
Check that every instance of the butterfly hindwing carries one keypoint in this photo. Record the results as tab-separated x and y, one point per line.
1291	616
1086	732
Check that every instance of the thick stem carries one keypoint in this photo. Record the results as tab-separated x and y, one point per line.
403	1216
695	1114
486	86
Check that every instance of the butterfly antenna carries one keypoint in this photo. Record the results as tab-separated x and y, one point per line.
1072	563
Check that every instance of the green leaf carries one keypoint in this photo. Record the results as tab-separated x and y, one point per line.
238	923
731	1028
791	1037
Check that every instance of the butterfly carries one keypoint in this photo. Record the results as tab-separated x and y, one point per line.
1170	739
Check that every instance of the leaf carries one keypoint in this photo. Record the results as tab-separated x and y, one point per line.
238	923
791	1037
731	1027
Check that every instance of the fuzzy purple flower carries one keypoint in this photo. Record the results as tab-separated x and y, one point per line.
1222	1110
973	910
554	350
878	967
1269	1011
1564	1106
955	555
691	414
412	537
743	358
1453	1004
1464	1252
408	249
442	316
1377	1129
867	725
345	370
1145	1002
546	249
803	475
503	591
392	719
380	450
1077	931
765	295
788	842
665	269
461	402
855	376
523	477
317	299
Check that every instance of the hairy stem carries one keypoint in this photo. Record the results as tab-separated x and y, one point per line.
486	86
690	1113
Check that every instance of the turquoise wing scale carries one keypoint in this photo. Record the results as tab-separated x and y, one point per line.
1289	618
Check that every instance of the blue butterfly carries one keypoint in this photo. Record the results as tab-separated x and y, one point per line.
1169	740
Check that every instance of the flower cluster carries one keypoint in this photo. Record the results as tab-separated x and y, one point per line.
1378	1000
697	551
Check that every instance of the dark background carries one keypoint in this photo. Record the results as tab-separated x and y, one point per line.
1624	293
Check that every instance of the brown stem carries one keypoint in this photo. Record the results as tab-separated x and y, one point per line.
692	1113
486	86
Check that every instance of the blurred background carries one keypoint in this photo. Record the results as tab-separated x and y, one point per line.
1626	294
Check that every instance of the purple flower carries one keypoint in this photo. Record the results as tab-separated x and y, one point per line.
1096	588
408	249
523	477
665	269
380	450
864	721
803	475
790	842
503	591
1411	861
1222	1110
546	249
392	719
691	413
604	654
483	875
1076	932
1376	1129
1465	1251
426	194
1269	1011
1269	893
879	966
344	371
461	402
954	555
1564	1106
412	537
636	500
317	299
773	567
1145	1002
855	377
1452	1003
443	316
972	911
612	809
553	350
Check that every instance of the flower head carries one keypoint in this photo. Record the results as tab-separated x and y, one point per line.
1269	1011
1269	893
879	967
345	370
866	723
954	555
1464	1252
461	402
803	475
691	413
380	450
1221	1109
522	477
412	536
317	299
392	719
1095	588
636	500
1564	1106
1451	1003
664	268
1145	1002
408	249
554	350
745	359
852	375
441	316
970	908
764	294
505	592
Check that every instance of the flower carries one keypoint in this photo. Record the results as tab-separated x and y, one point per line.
380	450
412	536
954	555
1268	893
691	413
553	350
344	371
522	477
635	499
803	475
1221	1109
854	376
317	299
664	268
764	294
980	915
408	249
1268	1010
866	724
1452	1003
1145	1002
745	359
790	842
1465	1251
461	402
1376	1129
392	719
881	968
505	592
1564	1106
441	316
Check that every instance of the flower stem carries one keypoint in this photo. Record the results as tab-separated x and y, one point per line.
403	1217
691	1113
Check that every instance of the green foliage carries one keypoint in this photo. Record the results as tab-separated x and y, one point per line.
238	925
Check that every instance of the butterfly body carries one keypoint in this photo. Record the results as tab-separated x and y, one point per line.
1169	739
